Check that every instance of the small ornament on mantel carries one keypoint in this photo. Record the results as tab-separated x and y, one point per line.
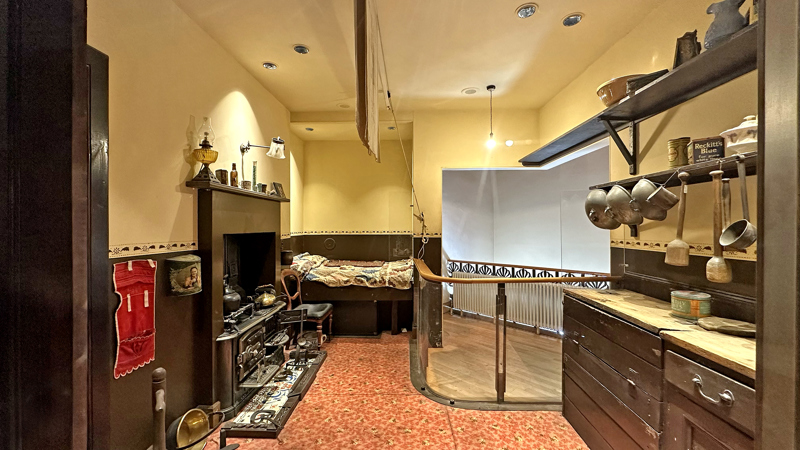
255	175
234	176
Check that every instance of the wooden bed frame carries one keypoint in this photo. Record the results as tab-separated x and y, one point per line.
360	310
349	306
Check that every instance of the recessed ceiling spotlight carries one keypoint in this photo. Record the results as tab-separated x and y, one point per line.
269	65
302	49
509	143
469	91
343	105
572	19
309	129
526	10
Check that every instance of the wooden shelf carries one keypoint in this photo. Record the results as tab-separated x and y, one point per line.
699	172
735	57
209	186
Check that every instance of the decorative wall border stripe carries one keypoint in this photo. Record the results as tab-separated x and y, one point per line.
313	233
750	254
430	235
126	250
316	233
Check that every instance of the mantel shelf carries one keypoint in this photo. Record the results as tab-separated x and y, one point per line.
699	173
729	60
207	185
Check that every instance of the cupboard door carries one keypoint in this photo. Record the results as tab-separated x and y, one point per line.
690	427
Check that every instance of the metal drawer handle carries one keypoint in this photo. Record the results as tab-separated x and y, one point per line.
725	397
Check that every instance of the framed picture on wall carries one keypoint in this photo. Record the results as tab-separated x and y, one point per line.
278	189
184	275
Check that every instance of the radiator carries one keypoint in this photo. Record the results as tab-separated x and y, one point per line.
537	305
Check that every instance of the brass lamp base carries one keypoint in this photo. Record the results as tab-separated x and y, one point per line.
205	174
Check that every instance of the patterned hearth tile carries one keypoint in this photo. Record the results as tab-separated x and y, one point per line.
362	422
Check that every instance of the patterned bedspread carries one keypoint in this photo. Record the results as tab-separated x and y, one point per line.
374	274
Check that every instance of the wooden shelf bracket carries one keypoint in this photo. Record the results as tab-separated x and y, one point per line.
631	156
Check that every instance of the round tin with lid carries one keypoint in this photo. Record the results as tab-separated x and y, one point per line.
691	305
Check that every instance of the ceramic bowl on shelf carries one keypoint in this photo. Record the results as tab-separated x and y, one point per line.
613	91
743	138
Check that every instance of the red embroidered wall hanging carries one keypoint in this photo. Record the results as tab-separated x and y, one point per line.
135	283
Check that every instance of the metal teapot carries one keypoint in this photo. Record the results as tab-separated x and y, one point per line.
231	299
265	296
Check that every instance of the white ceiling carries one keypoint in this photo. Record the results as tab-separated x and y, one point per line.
346	131
433	48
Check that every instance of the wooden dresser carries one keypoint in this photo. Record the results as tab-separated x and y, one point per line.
637	378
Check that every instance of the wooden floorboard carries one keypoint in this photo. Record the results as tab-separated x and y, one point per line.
464	368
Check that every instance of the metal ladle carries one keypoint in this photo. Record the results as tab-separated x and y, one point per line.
740	234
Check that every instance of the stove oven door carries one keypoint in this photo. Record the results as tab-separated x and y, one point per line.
251	351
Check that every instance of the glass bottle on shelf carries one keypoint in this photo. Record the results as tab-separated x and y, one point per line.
234	176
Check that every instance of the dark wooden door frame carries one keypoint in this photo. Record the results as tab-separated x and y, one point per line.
102	337
43	225
778	318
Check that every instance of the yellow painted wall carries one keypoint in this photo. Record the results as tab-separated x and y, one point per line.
297	181
346	191
455	139
163	69
648	48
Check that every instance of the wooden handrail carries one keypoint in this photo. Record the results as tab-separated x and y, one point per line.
425	272
550	269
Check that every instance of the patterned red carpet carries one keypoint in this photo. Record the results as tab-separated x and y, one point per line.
363	399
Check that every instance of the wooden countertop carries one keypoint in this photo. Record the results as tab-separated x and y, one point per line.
733	352
647	312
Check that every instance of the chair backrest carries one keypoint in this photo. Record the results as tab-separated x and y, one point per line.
290	277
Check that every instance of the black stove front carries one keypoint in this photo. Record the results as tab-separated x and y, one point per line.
250	347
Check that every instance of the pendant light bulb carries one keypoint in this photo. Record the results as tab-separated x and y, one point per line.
491	143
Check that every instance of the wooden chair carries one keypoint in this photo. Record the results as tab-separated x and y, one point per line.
316	313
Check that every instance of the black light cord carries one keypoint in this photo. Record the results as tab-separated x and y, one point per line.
491	89
491	111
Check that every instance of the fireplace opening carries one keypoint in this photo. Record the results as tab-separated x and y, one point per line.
250	261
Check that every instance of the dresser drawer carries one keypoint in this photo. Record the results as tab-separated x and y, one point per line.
645	436
645	406
728	399
636	340
641	374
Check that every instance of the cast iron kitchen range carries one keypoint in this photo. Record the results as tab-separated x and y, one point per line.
247	354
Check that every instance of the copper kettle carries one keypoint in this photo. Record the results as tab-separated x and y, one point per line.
265	296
